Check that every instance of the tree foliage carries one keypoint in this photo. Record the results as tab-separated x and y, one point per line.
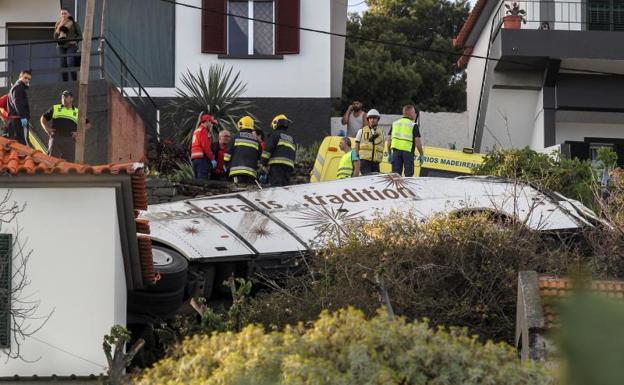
454	271
573	178
385	76
217	94
345	348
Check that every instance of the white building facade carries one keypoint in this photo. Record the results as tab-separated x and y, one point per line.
553	83
286	69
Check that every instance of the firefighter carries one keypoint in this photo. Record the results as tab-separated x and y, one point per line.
202	157
349	165
243	153
61	124
280	152
369	143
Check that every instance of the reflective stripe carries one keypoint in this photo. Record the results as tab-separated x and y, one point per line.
320	159
197	155
242	170
266	155
281	160
316	174
246	143
286	144
61	112
227	157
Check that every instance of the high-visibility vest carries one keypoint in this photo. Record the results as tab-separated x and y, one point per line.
372	150
345	167
403	134
62	112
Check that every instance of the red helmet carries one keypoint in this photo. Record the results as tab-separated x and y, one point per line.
208	118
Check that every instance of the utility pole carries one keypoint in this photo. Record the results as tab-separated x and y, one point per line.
83	90
102	39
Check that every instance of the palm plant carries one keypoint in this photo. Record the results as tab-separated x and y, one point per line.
218	94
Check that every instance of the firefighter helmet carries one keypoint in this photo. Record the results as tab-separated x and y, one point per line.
246	123
280	121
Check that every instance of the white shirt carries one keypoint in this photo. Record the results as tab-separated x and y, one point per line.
355	123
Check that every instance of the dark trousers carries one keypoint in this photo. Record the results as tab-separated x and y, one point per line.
279	175
69	61
403	162
17	132
62	146
201	168
367	167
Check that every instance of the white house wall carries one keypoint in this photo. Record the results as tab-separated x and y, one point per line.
579	131
75	271
20	11
474	71
510	119
307	74
338	17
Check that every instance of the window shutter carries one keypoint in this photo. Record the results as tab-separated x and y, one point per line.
287	38
214	26
6	243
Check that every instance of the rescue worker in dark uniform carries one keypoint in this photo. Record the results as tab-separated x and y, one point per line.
61	124
243	153
280	152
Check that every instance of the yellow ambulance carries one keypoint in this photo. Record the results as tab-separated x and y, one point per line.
440	162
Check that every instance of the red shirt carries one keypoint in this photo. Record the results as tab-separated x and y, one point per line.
219	158
200	147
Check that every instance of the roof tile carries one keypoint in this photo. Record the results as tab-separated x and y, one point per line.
555	289
18	159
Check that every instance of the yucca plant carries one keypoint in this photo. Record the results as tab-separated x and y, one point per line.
217	94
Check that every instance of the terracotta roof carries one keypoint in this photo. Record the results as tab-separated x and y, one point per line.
461	37
460	40
463	60
16	159
553	289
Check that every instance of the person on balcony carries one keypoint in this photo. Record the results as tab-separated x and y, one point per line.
67	33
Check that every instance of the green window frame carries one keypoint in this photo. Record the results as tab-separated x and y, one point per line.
605	15
6	246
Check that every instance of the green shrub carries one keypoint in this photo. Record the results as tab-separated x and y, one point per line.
454	271
571	177
345	348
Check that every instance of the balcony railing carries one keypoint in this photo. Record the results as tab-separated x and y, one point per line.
106	63
601	15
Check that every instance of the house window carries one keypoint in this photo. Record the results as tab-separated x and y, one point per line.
606	15
6	242
251	37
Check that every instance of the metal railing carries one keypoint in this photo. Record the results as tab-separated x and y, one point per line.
108	64
602	15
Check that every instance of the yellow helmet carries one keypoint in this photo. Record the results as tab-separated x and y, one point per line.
246	122
280	120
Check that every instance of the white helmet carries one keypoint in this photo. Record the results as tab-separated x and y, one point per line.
373	112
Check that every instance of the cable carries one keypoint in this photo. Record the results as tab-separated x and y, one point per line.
355	5
388	43
69	353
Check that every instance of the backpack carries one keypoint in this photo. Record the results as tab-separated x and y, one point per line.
4	107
